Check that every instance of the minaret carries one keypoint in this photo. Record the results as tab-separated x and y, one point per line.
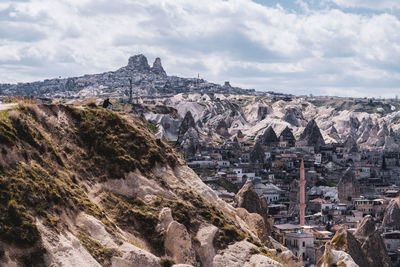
302	183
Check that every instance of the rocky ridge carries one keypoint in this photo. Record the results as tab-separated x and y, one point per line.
250	117
146	80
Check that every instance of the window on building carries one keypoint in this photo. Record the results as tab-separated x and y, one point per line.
388	246
304	244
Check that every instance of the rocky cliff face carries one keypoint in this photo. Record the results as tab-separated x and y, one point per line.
84	186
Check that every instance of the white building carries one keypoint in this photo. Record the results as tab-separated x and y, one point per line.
302	245
269	191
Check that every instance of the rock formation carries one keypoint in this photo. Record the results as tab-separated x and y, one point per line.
248	199
348	187
187	123
332	257
391	218
257	154
366	227
138	63
343	240
268	138
205	248
375	250
366	248
178	243
334	133
234	255
222	128
240	134
312	135
157	67
292	115
262	112
287	136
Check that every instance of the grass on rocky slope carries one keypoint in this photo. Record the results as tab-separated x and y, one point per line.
49	150
140	218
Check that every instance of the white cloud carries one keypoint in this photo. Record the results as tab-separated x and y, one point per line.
370	4
251	45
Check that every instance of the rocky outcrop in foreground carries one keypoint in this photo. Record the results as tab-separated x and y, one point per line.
249	200
85	186
366	248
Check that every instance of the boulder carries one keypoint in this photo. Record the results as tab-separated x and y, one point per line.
205	248
178	244
240	254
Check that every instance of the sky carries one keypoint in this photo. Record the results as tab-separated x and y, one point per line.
319	47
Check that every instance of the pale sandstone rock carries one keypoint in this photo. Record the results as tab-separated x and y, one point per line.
261	261
179	244
164	218
391	217
64	249
206	249
255	222
137	185
135	257
239	255
95	229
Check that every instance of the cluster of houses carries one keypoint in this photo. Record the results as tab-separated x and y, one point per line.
344	183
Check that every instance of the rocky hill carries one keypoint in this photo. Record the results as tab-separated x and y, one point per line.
138	75
85	186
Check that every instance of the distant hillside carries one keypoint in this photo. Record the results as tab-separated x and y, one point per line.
145	80
370	123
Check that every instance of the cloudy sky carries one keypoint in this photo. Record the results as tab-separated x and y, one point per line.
322	47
